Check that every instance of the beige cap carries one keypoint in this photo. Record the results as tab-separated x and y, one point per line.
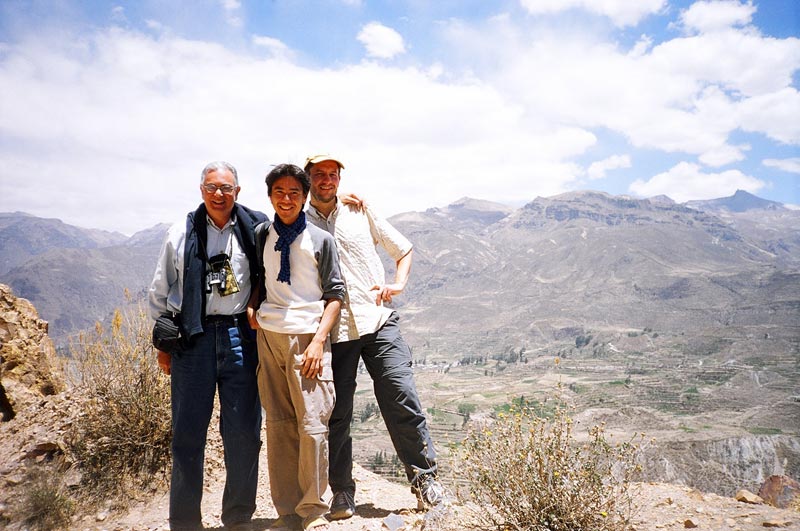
313	159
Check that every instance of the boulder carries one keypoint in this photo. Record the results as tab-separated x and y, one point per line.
28	361
745	496
780	491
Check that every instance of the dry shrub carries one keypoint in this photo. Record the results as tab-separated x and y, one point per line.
122	437
45	503
527	473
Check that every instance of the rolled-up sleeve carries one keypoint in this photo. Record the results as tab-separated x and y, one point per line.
329	271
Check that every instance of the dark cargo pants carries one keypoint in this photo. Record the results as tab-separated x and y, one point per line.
388	361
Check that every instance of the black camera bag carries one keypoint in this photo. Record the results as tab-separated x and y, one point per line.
167	335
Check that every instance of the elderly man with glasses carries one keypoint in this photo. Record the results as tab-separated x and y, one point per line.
203	280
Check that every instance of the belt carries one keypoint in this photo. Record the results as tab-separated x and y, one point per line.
231	319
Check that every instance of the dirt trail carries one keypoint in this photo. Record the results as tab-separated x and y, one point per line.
662	507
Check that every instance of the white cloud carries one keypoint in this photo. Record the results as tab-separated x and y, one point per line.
686	182
114	129
274	46
776	114
621	12
791	165
684	95
231	8
502	115
154	25
723	155
381	41
118	14
642	46
714	15
598	169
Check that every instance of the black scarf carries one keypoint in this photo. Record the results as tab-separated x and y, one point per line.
194	264
286	235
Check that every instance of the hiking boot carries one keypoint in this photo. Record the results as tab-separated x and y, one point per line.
428	490
343	505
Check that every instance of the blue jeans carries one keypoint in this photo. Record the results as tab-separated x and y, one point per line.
388	360
223	358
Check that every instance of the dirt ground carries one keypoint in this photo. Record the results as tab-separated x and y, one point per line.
383	505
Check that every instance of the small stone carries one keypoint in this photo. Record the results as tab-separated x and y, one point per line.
776	523
393	522
689	523
746	496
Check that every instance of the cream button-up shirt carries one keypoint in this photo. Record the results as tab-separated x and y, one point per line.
357	233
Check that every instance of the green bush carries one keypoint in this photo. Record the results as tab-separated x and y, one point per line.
466	408
369	411
46	504
122	438
526	473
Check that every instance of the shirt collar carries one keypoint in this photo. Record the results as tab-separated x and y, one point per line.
312	210
231	222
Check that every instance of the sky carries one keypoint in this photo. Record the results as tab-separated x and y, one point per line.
110	110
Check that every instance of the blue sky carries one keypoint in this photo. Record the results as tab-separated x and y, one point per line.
109	110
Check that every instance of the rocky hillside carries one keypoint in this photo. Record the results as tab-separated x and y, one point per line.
29	369
590	260
32	437
75	277
23	237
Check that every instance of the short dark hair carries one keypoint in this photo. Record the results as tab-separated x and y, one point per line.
288	170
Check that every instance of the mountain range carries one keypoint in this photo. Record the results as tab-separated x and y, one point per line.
483	270
484	273
74	276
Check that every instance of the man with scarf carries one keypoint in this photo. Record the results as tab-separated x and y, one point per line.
204	276
298	304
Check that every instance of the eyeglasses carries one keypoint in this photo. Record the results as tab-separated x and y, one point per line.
226	189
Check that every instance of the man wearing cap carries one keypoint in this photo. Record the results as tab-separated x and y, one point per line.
204	274
370	331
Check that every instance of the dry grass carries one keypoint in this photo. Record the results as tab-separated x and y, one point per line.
122	438
46	505
527	473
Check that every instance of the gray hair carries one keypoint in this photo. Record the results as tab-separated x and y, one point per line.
219	165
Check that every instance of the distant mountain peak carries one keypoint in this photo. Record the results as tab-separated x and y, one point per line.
480	205
740	201
662	200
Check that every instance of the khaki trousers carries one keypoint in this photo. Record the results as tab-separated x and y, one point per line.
297	412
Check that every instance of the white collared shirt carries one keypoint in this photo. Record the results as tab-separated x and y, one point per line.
357	232
166	290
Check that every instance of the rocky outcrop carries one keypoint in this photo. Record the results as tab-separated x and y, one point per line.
781	491
27	356
724	465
